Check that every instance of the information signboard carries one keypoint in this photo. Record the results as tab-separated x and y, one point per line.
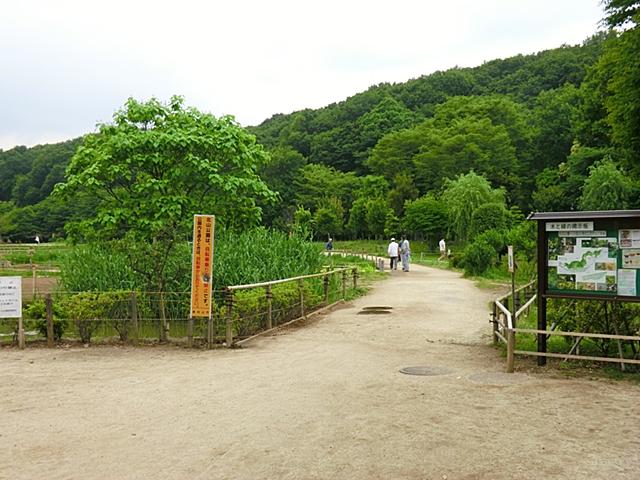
600	261
202	265
10	297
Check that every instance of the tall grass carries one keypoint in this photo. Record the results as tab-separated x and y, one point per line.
254	256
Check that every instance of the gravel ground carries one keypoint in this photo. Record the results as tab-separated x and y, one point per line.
322	401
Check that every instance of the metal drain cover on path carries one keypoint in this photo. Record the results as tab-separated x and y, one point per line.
375	310
426	371
498	378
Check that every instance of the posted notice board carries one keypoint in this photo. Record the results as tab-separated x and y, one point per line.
583	259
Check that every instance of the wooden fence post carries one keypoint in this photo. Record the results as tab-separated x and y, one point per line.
494	321
48	303
344	284
134	318
229	332
325	286
269	297
301	290
511	345
355	278
190	332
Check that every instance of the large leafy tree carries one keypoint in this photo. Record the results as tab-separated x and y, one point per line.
463	196
154	167
607	188
426	217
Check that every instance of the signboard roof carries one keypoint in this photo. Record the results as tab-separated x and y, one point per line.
583	215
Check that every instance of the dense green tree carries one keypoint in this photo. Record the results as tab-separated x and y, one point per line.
404	189
317	181
463	196
490	216
607	188
280	173
426	217
357	224
376	216
156	166
466	144
621	12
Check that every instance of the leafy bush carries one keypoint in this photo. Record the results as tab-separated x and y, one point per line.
478	257
490	216
523	237
494	238
36	312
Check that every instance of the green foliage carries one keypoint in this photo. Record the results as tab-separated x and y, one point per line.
595	317
523	237
392	225
240	257
494	238
326	223
607	188
490	216
36	312
463	196
357	224
479	256
317	182
426	217
155	167
404	189
376	216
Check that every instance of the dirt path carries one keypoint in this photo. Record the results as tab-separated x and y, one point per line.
325	401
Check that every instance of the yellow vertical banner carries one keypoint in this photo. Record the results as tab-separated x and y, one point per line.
202	265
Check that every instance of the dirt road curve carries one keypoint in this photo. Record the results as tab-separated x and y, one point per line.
325	401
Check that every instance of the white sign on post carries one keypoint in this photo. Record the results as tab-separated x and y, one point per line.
510	257
10	297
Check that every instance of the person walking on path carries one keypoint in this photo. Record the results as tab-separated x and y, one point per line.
392	251
443	250
405	251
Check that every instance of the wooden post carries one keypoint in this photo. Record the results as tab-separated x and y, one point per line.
34	280
301	290
325	287
229	332
511	346
514	298
48	304
269	297
355	278
21	341
190	332
494	320
210	333
344	284
134	318
542	284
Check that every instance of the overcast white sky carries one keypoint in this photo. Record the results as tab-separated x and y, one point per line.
66	65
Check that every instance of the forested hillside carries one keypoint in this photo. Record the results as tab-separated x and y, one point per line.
557	130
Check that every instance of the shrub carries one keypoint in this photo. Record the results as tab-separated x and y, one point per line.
37	312
478	257
490	216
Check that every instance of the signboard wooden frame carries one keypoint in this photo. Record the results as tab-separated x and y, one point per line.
585	249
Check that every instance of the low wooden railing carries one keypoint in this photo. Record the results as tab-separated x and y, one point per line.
344	273
505	330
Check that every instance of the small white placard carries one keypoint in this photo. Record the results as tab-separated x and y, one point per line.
10	297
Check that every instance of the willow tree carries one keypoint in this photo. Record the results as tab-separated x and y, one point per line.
153	168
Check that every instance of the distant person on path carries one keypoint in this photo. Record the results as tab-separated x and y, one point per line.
329	244
443	250
392	250
405	251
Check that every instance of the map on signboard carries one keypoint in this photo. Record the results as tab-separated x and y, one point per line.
583	263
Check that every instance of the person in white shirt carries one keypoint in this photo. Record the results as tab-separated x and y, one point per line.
443	250
405	251
392	251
